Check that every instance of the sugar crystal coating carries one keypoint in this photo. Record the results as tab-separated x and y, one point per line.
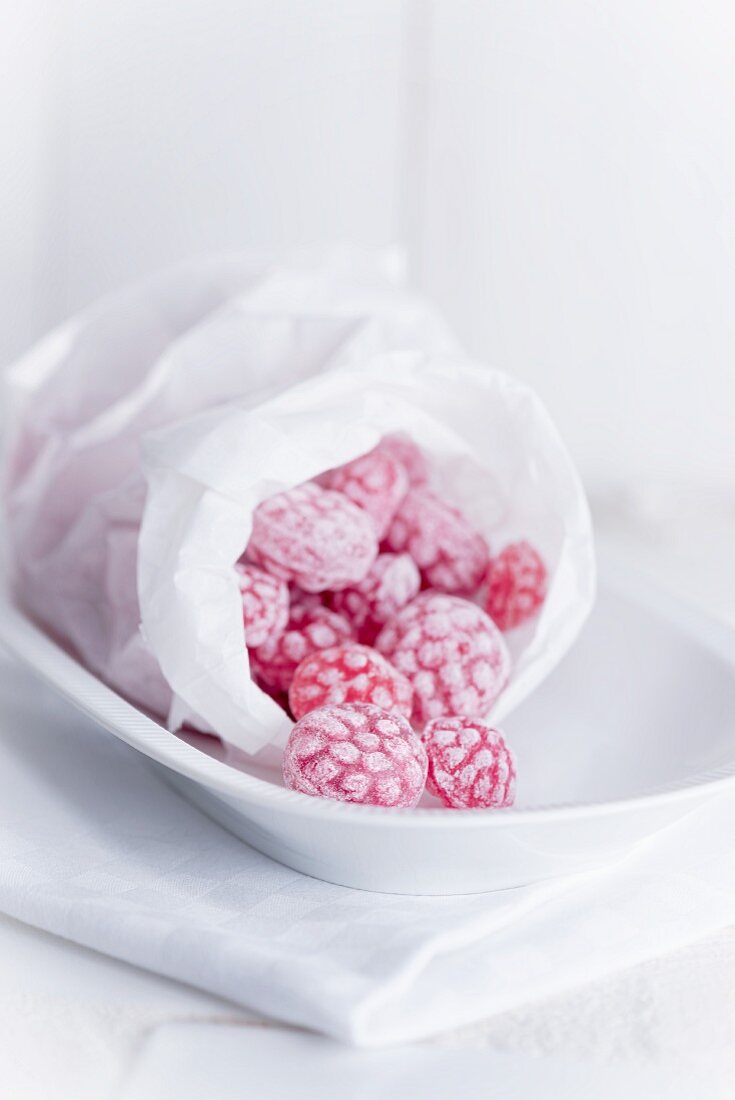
355	752
375	482
349	673
264	604
393	580
516	585
470	765
451	555
452	653
309	629
409	454
314	537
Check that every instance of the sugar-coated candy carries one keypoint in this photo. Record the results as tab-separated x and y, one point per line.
264	604
516	585
470	765
452	653
314	537
393	580
309	629
409	454
299	598
451	555
356	752
349	673
375	482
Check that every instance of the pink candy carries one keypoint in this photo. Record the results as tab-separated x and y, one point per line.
314	582
309	629
349	674
451	555
452	653
355	753
410	456
470	765
376	482
308	600
390	584
313	537
516	585
264	604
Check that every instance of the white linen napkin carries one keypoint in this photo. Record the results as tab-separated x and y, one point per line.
95	847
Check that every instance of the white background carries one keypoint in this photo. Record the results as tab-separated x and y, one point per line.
561	173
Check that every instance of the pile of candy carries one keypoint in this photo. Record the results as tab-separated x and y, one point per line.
374	614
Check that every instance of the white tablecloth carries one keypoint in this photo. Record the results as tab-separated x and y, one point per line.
77	1024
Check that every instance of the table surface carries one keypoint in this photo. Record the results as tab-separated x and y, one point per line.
77	1024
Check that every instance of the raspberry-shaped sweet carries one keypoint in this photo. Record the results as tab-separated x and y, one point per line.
470	765
452	653
355	752
310	600
314	537
409	454
390	584
451	555
309	629
516	585
264	604
349	674
375	482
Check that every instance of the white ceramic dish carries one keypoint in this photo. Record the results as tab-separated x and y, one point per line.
635	729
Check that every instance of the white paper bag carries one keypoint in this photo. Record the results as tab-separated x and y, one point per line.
78	404
496	455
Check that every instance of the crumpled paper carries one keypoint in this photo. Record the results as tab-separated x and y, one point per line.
496	455
238	379
78	405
